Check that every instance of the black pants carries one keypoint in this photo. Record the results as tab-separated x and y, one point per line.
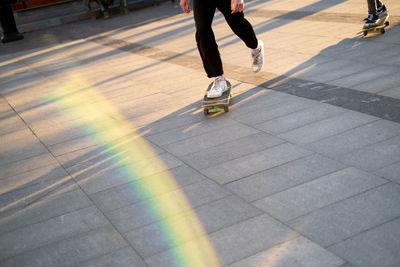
204	11
373	5
7	18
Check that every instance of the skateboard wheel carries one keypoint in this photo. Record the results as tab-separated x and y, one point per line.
365	33
382	30
387	23
226	109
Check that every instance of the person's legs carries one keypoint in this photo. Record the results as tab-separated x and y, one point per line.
203	15
8	24
371	6
104	8
379	4
244	30
378	14
239	25
7	19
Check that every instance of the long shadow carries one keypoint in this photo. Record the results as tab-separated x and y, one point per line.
191	108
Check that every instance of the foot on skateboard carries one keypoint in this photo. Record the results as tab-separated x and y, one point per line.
214	105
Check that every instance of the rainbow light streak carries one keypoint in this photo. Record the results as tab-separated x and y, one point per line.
136	159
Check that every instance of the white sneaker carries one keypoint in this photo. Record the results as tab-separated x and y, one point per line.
258	57
218	88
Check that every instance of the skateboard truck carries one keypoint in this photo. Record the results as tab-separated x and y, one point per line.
380	28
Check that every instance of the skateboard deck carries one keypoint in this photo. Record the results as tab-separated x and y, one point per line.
214	105
380	28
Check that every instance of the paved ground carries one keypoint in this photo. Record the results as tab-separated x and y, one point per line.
106	158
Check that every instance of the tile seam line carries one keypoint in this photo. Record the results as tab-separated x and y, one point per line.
357	149
138	181
372	171
104	254
299	184
345	165
24	172
277	134
186	138
362	232
178	189
71	237
329	136
289	240
207	234
244	155
183	212
47	219
338	201
76	183
234	124
317	178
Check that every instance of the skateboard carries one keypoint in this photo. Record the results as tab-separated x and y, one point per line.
380	28
214	105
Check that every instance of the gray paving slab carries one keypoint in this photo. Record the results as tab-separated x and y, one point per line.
32	186
322	72
102	153
60	133
316	194
210	139
151	240
56	229
127	194
282	177
355	139
299	119
365	51
238	168
274	111
363	75
146	212
337	76
375	156
394	93
124	257
73	145
37	195
327	127
71	251
390	172
296	252
10	122
25	165
237	241
19	146
376	247
260	99
178	134
381	85
171	121
350	217
95	176
231	150
55	204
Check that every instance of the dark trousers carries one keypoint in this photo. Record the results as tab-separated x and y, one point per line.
204	11
373	5
7	18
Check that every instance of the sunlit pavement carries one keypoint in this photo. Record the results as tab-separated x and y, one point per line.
106	157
